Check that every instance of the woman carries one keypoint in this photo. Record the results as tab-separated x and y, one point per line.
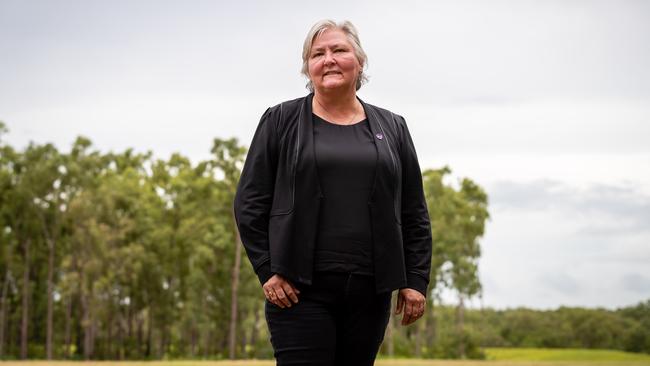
331	212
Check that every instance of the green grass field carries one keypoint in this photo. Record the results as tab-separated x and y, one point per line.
496	357
548	354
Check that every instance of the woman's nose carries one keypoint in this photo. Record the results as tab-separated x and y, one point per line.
329	58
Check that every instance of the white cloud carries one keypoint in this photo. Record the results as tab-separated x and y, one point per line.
545	245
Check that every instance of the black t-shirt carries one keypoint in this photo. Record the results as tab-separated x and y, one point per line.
346	158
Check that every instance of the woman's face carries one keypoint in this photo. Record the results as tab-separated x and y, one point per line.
332	62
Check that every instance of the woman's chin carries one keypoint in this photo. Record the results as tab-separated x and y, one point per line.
333	86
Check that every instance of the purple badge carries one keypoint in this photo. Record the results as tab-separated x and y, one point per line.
379	136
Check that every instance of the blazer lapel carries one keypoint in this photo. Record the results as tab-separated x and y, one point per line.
307	182
386	167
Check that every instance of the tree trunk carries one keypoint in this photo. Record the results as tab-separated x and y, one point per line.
148	351
390	330
86	317
256	329
85	324
234	297
68	326
193	339
3	310
50	299
121	351
208	343
244	340
25	317
78	319
91	336
50	240
140	335
419	334
460	314
161	345
129	316
128	352
108	349
11	336
432	329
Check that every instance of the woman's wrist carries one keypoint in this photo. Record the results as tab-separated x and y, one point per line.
264	272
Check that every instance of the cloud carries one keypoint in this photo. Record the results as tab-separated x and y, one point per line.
555	243
561	282
612	209
636	282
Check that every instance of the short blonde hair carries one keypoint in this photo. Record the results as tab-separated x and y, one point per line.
353	37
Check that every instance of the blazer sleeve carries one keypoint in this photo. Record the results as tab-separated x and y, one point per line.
416	226
254	195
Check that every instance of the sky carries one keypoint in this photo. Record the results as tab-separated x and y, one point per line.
545	104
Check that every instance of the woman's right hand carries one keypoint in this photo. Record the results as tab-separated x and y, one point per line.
280	291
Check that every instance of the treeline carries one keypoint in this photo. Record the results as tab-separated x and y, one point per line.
124	256
626	329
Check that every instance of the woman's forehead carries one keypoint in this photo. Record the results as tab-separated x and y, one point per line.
330	38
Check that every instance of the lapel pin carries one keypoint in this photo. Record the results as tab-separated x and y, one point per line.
379	136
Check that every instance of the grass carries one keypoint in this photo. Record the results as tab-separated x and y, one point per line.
565	354
496	357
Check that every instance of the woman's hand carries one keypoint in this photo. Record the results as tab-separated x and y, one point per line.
280	291
412	302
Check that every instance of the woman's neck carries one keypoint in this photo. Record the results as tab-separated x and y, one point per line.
336	105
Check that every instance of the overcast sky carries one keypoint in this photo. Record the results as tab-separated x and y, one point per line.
546	104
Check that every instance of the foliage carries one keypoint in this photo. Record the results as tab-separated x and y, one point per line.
139	253
123	256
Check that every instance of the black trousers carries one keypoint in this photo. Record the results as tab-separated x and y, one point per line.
338	321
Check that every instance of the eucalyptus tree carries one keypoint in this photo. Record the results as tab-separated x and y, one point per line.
42	182
130	213
28	211
7	238
458	219
472	215
439	199
227	160
82	172
108	214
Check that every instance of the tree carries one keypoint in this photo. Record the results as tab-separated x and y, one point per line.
228	159
457	223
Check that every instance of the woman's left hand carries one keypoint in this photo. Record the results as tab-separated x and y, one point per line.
412	302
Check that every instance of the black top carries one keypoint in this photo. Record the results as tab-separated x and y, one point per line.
346	157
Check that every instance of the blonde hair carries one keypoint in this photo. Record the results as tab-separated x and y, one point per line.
353	37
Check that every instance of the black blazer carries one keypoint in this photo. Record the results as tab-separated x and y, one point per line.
278	199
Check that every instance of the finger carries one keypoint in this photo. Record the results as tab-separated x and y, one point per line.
268	293
278	303
288	289
399	305
408	313
418	311
282	297
273	298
